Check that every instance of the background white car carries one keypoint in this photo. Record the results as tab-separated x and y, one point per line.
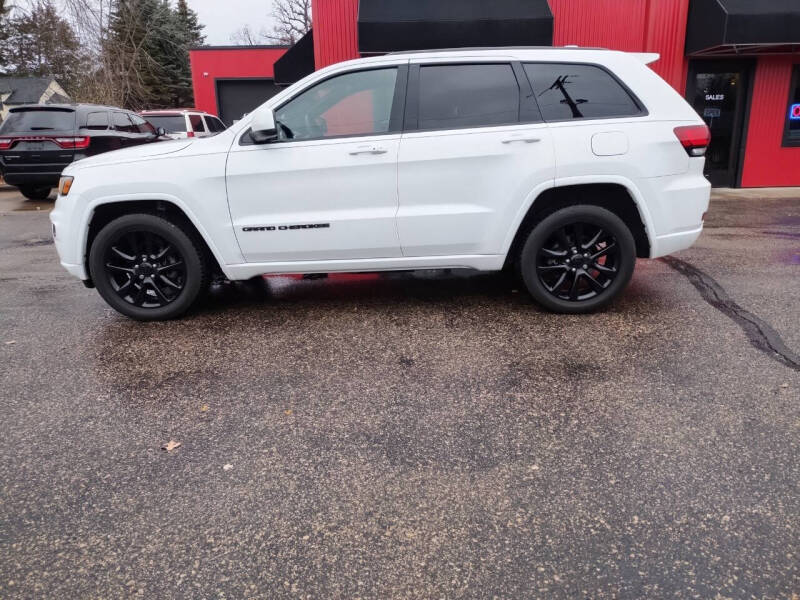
183	123
564	164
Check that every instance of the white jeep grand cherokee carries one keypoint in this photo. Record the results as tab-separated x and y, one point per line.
564	163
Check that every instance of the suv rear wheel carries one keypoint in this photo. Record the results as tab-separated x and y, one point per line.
578	259
148	268
35	193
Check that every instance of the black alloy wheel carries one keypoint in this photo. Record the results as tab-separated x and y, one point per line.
144	269
148	267
578	259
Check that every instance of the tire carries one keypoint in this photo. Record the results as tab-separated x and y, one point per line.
578	259
35	193
149	268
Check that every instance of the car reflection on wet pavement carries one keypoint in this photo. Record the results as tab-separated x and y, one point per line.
410	434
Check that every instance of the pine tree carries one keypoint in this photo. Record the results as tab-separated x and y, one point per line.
149	46
41	43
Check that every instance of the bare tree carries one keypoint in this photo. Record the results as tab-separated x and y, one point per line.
292	21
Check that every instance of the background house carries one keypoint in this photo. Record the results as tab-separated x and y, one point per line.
15	91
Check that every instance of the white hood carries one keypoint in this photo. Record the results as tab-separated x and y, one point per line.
132	154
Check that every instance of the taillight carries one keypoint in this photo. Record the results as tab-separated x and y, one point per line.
694	139
73	143
5	143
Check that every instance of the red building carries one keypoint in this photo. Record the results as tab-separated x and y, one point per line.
736	61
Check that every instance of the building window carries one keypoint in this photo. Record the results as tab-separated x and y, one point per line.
791	135
572	91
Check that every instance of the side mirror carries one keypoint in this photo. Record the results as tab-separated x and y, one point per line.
263	129
161	132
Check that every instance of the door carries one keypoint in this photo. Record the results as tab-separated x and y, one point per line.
327	188
237	97
473	150
719	90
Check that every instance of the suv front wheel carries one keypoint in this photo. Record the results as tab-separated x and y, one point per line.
147	267
578	259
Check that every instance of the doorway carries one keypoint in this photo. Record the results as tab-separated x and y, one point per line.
237	97
719	91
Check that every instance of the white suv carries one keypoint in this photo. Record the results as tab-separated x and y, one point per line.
565	164
184	122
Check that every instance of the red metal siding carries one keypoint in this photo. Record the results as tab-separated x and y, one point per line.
766	163
616	24
209	65
335	31
629	25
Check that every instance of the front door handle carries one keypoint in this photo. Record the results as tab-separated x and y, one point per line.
527	140
368	150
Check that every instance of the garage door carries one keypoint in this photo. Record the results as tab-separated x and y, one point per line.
237	97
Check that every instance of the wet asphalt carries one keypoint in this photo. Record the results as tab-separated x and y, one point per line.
424	435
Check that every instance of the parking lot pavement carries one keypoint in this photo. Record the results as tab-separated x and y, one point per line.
416	435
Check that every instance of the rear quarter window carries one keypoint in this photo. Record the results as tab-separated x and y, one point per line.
197	124
170	123
567	91
38	120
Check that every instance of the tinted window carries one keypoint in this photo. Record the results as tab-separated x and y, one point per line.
567	91
792	136
22	121
141	125
97	121
215	124
123	123
467	96
170	123
197	123
357	103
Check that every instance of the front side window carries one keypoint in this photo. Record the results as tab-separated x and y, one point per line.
123	123
571	91
454	96
142	126
358	103
791	135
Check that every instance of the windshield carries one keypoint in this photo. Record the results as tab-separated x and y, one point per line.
170	123
37	119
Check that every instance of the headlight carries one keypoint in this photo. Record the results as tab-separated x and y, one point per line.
64	185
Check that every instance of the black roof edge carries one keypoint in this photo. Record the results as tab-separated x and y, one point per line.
244	47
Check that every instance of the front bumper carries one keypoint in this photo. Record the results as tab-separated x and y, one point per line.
67	234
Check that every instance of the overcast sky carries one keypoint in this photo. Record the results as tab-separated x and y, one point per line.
223	17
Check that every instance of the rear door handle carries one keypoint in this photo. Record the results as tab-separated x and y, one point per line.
526	140
368	150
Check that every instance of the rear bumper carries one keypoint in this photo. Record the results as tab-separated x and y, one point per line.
676	204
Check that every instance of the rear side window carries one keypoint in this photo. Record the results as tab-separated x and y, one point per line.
453	96
97	121
123	123
170	123
572	91
197	123
26	121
